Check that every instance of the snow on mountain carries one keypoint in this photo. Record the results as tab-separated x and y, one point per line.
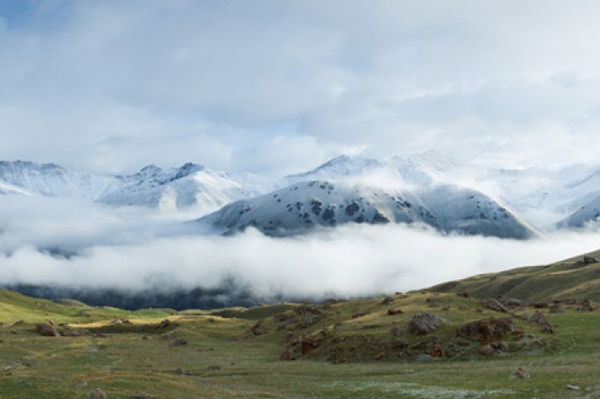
52	180
191	185
9	189
541	196
304	205
188	186
588	213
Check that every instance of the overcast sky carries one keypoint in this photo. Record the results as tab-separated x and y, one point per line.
281	86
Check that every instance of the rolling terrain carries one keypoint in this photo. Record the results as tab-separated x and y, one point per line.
454	344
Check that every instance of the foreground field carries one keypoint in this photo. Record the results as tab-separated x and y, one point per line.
342	349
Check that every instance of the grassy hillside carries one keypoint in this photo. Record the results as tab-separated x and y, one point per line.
568	279
338	349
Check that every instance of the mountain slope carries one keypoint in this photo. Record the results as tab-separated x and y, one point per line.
302	206
52	180
575	278
190	185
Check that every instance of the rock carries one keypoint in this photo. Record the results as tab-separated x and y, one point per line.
143	395
494	304
588	260
511	303
287	354
571	387
522	373
97	394
164	324
540	319
487	350
179	342
71	333
393	312
46	330
586	306
387	300
424	323
486	330
213	367
434	349
359	314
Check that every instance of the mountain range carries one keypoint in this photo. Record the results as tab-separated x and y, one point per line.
425	189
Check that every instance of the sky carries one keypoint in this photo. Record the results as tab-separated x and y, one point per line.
277	87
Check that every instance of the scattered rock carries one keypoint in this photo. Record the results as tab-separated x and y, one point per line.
287	354
143	395
387	300
213	367
46	330
494	304
486	330
396	331
258	328
4	325
434	349
393	312
588	260
97	394
571	387
540	305
556	308
310	342
164	324
424	323
71	333
117	321
359	314
511	303
522	373
179	342
487	350
100	335
586	306
81	384
540	319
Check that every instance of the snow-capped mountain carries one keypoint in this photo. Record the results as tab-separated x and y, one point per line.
304	205
188	186
52	180
191	185
447	195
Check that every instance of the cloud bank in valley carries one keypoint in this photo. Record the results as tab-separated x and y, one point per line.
352	260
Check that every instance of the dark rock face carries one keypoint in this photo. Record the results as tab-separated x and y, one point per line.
46	330
424	323
486	330
494	304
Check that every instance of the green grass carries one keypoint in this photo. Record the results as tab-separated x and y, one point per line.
130	358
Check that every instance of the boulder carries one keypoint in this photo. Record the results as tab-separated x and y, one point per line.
486	330
46	330
586	306
494	304
97	394
540	319
522	373
424	323
487	350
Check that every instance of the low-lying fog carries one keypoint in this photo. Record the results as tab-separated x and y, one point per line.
70	243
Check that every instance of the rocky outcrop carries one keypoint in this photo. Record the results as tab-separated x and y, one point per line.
486	330
424	323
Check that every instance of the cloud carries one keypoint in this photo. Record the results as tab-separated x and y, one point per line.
117	85
133	250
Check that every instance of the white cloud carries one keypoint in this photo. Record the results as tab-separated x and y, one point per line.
120	84
134	249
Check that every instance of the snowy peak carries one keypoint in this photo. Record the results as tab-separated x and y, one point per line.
303	206
52	180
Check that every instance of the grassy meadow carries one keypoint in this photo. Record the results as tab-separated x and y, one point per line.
340	349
